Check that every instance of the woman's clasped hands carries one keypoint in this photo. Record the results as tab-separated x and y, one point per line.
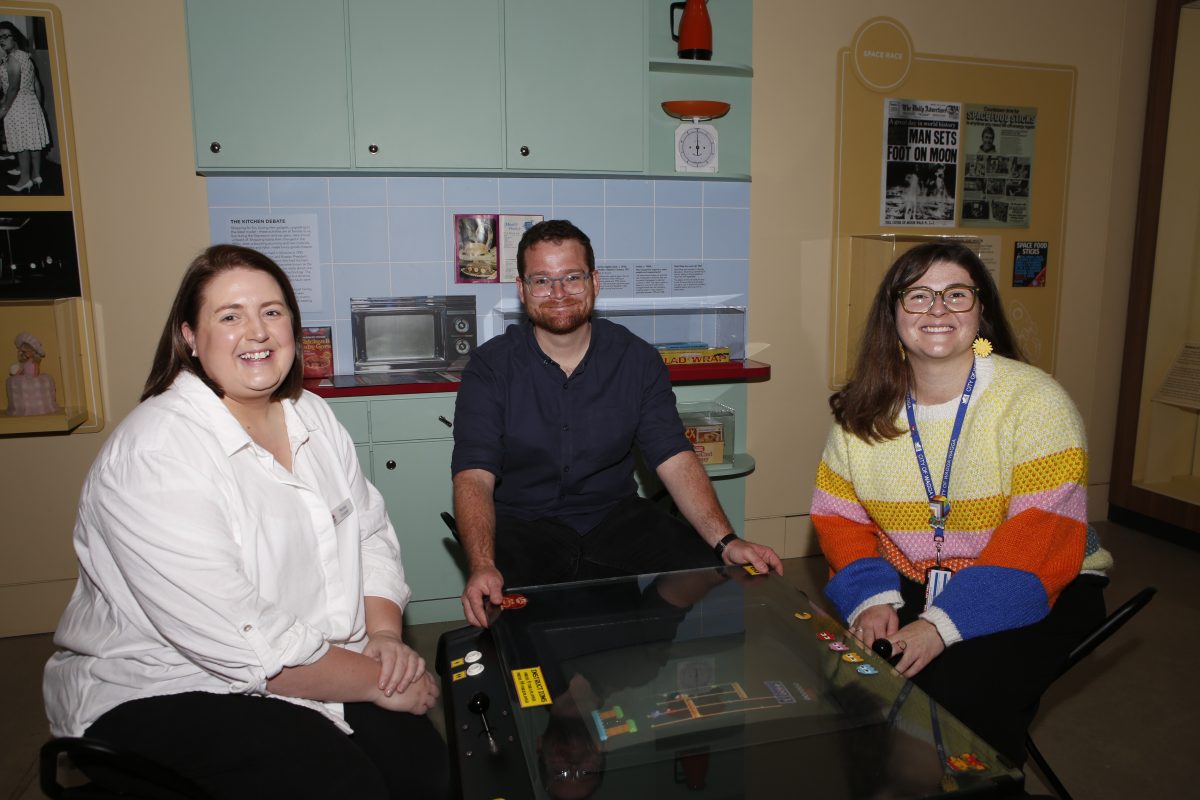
404	683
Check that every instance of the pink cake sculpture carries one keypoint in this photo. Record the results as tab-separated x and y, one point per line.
29	391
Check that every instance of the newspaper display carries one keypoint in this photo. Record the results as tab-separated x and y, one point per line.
920	164
998	166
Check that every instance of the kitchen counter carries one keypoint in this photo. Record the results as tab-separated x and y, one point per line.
428	381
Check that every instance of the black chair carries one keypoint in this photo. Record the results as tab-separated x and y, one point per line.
1093	640
112	773
448	518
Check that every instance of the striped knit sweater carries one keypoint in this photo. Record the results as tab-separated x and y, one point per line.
1017	532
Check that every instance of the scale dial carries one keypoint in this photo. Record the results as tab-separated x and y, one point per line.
695	148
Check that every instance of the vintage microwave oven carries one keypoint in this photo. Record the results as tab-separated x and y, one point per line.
396	334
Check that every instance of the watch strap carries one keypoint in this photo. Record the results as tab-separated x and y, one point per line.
720	546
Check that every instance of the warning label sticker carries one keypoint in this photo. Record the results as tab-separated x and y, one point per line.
530	687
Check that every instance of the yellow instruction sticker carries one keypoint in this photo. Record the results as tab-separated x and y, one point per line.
458	676
531	687
750	568
458	662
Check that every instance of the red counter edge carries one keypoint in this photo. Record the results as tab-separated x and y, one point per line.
734	371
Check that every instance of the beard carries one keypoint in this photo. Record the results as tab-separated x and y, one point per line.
561	317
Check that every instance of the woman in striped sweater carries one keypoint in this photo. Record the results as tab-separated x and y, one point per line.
951	499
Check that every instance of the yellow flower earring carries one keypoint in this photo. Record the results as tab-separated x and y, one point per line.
982	347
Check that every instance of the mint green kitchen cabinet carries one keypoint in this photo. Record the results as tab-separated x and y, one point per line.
408	442
269	84
445	86
414	479
575	85
426	83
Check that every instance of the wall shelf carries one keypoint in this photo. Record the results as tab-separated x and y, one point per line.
687	67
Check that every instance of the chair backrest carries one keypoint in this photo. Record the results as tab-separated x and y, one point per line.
448	518
114	773
1110	626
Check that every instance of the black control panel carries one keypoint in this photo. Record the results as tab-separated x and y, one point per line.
484	744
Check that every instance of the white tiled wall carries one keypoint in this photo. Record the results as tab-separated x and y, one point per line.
382	236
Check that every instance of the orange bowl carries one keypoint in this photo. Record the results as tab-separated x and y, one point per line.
695	109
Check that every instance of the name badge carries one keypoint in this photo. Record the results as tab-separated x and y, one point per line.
935	581
342	511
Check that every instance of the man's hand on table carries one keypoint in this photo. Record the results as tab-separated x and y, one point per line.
484	586
759	556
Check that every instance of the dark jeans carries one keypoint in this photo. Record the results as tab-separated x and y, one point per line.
240	746
634	538
994	683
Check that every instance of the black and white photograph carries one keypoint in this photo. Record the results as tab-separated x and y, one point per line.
920	163
30	160
38	258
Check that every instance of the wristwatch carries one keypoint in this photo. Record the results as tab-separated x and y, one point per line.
719	547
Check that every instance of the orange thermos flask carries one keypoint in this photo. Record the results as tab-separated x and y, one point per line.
695	30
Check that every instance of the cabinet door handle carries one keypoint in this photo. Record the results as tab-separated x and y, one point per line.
524	150
372	149
445	422
391	463
215	147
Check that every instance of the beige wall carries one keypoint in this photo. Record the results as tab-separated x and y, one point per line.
795	45
145	216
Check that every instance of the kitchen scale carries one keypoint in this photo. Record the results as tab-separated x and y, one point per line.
696	142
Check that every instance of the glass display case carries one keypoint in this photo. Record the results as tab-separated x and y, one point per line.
696	321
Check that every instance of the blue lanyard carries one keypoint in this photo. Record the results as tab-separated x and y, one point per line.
939	504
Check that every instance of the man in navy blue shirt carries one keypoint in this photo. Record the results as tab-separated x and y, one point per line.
545	425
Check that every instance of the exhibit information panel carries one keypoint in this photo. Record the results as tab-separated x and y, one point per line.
702	683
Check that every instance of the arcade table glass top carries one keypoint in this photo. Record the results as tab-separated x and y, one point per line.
701	683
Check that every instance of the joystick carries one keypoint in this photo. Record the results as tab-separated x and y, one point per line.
478	704
884	648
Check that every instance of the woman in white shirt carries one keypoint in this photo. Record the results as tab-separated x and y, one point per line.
238	611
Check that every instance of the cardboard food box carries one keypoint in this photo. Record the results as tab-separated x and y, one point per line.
708	441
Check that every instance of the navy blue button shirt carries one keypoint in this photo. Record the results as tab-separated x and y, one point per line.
563	446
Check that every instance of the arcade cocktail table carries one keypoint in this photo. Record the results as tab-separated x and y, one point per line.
700	684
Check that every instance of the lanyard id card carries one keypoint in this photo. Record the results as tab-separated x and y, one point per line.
936	579
938	576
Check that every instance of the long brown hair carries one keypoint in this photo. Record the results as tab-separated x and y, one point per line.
174	354
869	405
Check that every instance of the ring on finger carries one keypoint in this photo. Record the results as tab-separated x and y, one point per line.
903	645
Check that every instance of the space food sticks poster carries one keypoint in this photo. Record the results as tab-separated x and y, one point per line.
998	166
920	163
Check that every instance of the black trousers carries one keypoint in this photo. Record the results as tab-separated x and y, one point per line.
240	746
634	538
994	683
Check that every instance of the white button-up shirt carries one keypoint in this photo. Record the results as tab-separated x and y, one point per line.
206	566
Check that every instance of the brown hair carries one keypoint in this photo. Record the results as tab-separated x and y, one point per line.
174	354
868	406
556	231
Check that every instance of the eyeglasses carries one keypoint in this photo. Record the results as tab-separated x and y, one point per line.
5	35
543	285
956	298
570	774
